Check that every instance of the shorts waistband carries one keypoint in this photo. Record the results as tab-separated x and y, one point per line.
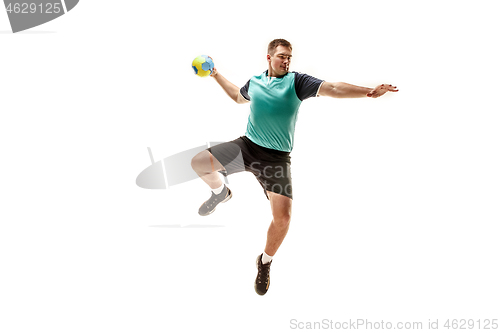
278	153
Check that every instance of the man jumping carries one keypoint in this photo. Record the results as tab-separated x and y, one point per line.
275	97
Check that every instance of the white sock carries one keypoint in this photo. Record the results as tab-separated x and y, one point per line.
218	190
266	258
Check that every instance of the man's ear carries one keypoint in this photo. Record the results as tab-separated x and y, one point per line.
268	57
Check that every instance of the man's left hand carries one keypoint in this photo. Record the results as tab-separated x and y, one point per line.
381	89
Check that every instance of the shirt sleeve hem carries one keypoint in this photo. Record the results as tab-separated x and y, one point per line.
243	96
317	92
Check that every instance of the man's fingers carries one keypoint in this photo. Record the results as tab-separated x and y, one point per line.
381	90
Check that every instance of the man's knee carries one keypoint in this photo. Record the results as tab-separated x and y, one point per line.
205	163
197	162
282	219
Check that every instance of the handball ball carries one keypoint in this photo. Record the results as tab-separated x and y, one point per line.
203	65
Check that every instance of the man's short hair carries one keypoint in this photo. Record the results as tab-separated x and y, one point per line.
275	43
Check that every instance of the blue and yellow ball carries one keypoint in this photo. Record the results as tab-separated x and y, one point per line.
203	65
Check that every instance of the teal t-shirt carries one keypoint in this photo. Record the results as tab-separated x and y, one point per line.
274	106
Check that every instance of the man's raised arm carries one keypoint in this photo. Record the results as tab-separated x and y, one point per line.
230	89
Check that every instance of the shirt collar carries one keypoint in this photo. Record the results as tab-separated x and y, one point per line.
277	77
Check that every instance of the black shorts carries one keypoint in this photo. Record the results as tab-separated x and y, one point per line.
270	167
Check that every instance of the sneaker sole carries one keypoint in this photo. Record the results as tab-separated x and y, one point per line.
213	210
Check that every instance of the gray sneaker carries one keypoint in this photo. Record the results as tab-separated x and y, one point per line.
208	206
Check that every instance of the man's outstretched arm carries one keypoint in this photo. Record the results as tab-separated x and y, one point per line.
230	89
346	90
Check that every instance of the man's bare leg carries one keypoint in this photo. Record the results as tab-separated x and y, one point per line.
207	168
281	207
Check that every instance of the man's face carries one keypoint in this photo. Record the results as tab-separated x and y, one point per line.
280	61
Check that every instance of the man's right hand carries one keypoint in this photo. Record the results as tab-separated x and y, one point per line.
214	72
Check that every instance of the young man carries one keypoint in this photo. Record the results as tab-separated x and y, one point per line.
275	97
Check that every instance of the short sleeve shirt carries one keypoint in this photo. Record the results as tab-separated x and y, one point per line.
274	106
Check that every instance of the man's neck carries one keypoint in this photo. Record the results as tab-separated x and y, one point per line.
271	73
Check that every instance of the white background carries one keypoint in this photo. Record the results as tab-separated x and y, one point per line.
395	213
